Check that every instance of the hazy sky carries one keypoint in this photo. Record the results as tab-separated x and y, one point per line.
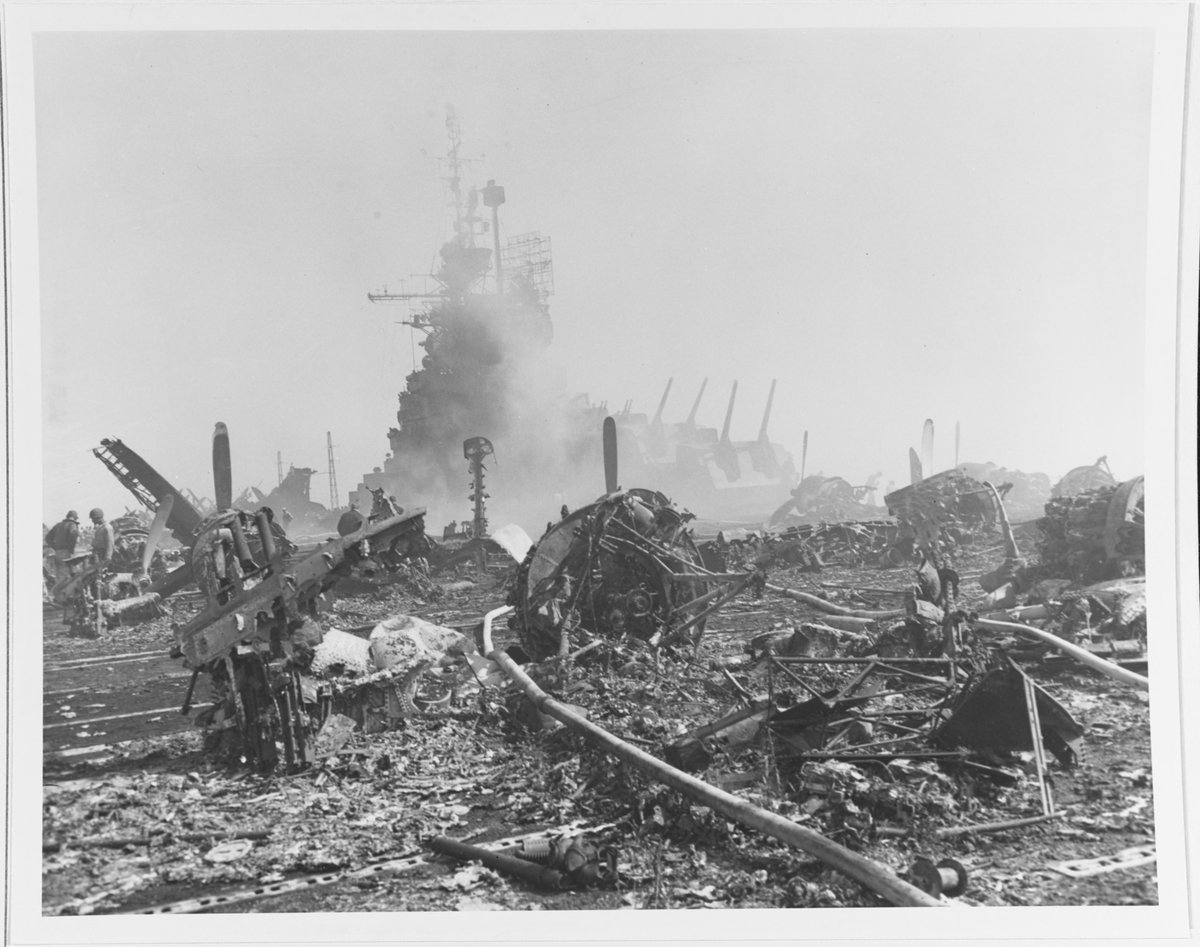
896	224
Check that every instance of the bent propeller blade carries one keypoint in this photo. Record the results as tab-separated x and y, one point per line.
914	466
222	471
610	455
157	528
927	448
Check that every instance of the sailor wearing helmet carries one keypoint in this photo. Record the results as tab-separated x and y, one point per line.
102	537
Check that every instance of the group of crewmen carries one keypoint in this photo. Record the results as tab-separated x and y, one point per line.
63	538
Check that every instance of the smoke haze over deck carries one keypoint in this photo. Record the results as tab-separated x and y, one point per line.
895	224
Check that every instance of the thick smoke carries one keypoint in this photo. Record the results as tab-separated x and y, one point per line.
488	372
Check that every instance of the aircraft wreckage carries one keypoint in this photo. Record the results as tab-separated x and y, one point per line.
623	567
920	690
256	635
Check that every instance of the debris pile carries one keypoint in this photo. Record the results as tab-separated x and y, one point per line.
1082	479
258	635
821	499
393	675
941	511
1025	494
883	742
863	736
623	568
1096	534
631	735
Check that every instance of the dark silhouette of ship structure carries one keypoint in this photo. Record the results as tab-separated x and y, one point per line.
485	324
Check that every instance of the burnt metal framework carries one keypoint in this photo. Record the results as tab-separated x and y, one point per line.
941	508
333	487
823	727
150	487
948	714
256	634
622	567
526	258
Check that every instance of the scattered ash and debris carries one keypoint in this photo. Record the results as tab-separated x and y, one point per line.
863	702
856	705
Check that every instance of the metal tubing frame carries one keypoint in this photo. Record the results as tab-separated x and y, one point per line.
875	876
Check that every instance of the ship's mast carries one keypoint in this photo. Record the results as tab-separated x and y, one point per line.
333	487
493	197
464	217
463	263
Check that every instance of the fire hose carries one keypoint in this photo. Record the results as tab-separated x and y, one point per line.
833	609
875	876
1082	655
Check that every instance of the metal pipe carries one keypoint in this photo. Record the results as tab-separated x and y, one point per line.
729	594
1035	739
1024	613
879	878
847	623
1010	541
540	875
241	547
222	538
265	536
835	609
1083	656
187	699
896	831
151	839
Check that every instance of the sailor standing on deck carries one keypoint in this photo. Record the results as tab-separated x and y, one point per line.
62	539
102	537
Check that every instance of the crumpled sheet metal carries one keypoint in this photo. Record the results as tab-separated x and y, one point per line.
408	640
513	540
340	651
377	677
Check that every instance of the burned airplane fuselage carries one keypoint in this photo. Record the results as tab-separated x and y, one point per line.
941	510
622	567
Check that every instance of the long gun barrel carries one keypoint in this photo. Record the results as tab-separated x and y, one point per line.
691	418
662	404
729	415
762	431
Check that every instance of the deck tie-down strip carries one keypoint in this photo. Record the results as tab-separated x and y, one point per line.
194	905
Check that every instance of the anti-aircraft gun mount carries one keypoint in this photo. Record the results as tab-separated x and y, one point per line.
255	634
624	566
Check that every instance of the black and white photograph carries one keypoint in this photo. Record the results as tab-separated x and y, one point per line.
693	463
